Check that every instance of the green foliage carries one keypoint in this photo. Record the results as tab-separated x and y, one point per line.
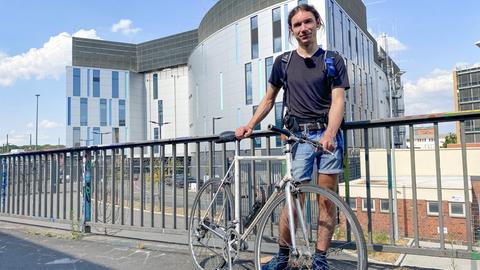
451	138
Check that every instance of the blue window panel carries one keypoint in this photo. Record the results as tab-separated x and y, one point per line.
69	111
254	37
257	141
268	70
277	30
126	84
121	112
88	82
103	112
110	112
115	84
160	111
155	86
300	2
83	111
76	82
221	91
96	83
248	84
278	121
76	136
96	136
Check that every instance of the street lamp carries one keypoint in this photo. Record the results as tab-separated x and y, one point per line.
160	127
101	135
36	125
213	123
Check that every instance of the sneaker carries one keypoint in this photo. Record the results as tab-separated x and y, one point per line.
278	262
319	262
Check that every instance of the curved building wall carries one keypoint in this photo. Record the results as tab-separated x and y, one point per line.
222	65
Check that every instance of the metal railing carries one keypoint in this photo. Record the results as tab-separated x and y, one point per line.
152	184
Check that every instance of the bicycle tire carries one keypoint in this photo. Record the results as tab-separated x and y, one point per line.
266	244
198	237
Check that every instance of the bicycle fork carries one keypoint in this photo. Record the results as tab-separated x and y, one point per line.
291	219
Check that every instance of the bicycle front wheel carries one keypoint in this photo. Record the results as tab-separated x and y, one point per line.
211	213
328	220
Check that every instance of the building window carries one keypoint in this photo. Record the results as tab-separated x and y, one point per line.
456	209
96	83
254	36
277	30
121	113
384	206
83	112
352	111
301	2
110	112
332	22
160	111
268	70
364	205
155	86
114	84
76	82
432	208
352	202
257	141
76	137
349	33
115	135
342	32
103	112
356	44
278	121
69	111
248	84
156	137
96	136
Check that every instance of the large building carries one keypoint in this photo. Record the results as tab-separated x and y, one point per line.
467	97
178	85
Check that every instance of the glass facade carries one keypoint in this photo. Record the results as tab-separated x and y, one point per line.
96	83
114	84
103	112
160	111
96	136
278	121
277	30
76	136
83	112
248	84
69	111
254	37
76	82
121	112
155	86
268	70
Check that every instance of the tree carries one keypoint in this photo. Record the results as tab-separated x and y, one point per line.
449	139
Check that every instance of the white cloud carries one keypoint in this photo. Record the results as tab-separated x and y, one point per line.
432	93
393	44
48	124
49	61
30	125
125	27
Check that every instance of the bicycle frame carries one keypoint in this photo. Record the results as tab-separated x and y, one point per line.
283	185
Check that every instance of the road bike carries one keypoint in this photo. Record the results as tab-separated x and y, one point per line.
219	238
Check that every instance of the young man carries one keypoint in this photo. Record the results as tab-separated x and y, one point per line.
316	108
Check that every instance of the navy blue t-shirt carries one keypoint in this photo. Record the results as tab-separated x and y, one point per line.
309	95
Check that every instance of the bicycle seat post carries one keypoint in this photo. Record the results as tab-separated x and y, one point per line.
237	186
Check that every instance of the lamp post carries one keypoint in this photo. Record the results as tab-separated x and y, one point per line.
213	123
160	127
36	125
101	135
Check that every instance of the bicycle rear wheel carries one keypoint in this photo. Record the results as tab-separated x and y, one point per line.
347	248
208	225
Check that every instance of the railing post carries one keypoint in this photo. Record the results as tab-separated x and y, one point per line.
367	178
414	186
439	186
465	186
390	191
87	207
4	182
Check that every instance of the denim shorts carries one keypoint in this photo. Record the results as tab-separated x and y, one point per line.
305	157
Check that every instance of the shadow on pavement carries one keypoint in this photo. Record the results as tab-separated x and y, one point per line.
17	253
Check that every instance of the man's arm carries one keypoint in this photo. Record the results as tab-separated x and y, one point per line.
262	111
335	117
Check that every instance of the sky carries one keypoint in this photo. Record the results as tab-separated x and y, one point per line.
428	39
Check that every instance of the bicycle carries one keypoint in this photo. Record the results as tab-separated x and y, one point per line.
217	238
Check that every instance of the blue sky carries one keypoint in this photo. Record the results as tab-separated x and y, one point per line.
427	38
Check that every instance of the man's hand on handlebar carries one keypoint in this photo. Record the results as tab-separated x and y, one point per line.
243	132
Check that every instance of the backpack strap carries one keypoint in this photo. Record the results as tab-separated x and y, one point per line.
330	70
285	62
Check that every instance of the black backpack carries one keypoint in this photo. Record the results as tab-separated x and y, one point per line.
329	59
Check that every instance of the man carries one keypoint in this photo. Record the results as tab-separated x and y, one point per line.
315	108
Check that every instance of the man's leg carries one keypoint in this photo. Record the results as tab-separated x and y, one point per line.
326	218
